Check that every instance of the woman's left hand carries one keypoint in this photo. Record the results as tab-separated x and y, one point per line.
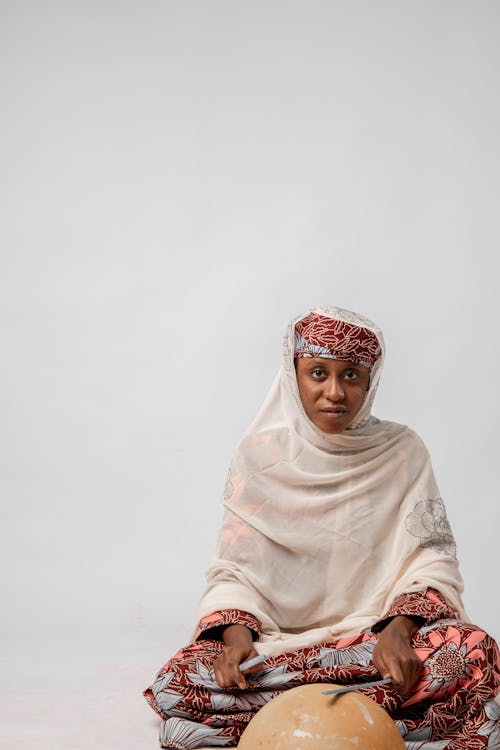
394	657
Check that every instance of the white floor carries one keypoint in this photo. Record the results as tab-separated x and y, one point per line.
80	694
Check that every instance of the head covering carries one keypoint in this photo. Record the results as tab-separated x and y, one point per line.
321	336
321	532
348	321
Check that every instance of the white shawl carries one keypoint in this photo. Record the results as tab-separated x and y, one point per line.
322	532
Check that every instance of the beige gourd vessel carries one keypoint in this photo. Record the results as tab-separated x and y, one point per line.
304	719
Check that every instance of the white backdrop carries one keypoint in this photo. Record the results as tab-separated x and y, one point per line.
182	178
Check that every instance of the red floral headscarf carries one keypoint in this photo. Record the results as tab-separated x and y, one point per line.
319	336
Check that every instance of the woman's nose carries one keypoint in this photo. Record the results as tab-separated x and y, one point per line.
334	389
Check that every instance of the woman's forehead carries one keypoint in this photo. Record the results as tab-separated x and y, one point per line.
329	363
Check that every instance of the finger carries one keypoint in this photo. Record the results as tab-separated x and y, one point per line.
411	672
252	660
234	675
254	670
222	672
228	677
411	667
398	680
414	675
219	676
395	671
255	667
380	664
385	673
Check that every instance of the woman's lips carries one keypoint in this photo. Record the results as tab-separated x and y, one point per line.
334	413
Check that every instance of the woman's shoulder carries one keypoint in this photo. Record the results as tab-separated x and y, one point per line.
405	435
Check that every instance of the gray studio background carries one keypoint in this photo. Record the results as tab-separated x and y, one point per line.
182	177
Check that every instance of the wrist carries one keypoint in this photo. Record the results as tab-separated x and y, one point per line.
237	635
404	625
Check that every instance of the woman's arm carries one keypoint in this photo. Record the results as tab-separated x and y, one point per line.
237	630
238	647
393	655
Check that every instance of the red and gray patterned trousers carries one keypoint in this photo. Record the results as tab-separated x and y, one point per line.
452	706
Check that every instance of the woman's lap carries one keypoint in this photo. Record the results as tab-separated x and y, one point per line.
453	703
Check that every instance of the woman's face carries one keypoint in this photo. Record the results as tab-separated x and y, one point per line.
331	390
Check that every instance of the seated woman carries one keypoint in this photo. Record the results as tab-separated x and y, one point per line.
336	560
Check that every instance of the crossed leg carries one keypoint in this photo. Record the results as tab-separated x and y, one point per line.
452	706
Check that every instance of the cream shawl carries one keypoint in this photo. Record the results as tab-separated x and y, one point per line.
322	532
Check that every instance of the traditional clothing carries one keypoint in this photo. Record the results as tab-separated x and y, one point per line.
325	537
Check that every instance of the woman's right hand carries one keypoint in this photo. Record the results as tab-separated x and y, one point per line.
238	647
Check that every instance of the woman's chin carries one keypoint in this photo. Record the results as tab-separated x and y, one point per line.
331	427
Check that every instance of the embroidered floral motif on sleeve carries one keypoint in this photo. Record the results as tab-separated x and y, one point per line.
429	523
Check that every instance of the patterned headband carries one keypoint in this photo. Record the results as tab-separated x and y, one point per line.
319	336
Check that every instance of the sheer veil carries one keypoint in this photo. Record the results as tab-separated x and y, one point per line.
321	532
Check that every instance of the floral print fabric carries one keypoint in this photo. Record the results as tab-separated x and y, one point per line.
320	336
211	625
452	706
426	605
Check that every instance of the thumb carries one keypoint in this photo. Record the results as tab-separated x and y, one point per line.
382	668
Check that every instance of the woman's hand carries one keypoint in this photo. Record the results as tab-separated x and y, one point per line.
238	647
394	657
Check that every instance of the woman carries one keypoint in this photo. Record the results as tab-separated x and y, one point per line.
336	560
